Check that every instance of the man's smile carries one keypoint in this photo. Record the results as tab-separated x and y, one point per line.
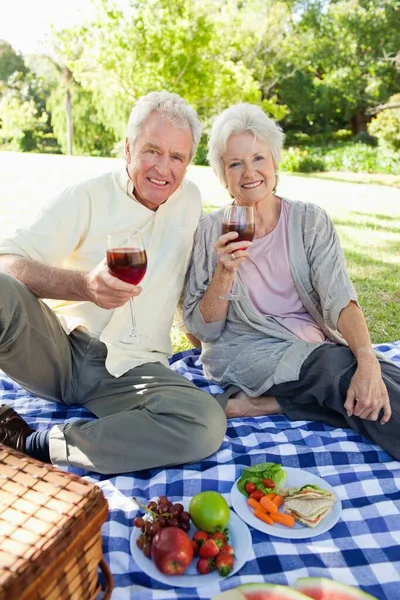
159	182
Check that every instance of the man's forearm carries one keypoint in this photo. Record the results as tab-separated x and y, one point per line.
353	327
45	281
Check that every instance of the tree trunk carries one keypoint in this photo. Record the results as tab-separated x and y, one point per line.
359	123
67	80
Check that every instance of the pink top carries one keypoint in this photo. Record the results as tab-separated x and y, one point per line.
269	282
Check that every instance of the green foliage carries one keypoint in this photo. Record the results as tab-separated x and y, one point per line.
156	45
202	149
11	62
346	63
318	139
354	157
300	160
24	121
361	158
16	117
386	125
90	137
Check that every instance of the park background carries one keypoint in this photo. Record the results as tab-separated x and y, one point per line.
327	70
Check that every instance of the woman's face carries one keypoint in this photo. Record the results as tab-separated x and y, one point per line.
249	169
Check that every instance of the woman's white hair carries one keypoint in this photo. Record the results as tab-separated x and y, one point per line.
172	108
243	118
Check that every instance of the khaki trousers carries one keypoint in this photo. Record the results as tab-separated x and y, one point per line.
150	417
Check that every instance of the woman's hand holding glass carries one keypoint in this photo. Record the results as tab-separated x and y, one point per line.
230	252
237	224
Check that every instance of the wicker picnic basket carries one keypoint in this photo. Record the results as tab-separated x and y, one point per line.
50	532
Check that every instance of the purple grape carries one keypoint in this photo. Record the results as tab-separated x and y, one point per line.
185	517
138	522
172	523
176	510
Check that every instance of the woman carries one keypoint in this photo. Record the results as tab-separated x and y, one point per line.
298	343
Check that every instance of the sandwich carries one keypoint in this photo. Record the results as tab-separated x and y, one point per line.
308	504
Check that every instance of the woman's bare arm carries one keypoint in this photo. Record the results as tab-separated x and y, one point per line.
367	394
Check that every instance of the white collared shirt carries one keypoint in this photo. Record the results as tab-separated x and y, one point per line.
71	233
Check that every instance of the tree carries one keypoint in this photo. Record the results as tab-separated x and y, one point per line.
156	45
24	121
90	137
351	55
386	125
11	63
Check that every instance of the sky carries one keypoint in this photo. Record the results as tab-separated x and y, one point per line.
25	24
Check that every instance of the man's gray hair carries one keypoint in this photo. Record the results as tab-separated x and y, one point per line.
172	108
243	118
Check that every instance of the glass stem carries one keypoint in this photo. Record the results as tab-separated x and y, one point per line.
134	330
234	284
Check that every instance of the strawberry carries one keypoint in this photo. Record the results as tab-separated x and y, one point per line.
200	537
227	548
219	537
209	549
195	548
224	563
205	565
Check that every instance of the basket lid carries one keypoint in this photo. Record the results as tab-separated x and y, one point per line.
42	510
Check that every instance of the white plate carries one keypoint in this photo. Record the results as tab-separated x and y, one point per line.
294	478
239	539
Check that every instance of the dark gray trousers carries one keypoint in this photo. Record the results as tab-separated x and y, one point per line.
320	394
149	417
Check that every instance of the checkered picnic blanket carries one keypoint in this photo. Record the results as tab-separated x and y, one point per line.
362	549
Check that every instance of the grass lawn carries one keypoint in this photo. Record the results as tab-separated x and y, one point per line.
371	242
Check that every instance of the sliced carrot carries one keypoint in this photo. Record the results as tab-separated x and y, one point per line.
261	514
271	495
256	505
278	500
268	505
283	519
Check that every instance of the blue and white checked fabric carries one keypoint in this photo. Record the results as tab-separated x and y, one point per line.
363	549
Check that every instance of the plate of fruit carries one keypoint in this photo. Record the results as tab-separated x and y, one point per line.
189	543
287	503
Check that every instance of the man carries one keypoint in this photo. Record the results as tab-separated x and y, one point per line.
67	349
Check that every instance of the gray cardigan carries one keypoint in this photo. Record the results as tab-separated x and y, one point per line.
251	350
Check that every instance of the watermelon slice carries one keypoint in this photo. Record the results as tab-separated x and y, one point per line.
321	588
269	591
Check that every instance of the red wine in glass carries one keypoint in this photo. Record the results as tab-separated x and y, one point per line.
245	230
127	264
127	261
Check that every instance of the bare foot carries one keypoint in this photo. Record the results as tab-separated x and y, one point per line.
241	405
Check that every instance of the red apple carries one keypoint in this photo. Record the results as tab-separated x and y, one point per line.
172	551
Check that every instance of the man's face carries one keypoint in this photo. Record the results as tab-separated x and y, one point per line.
158	161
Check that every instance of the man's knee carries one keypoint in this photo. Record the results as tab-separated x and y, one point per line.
7	284
11	291
211	429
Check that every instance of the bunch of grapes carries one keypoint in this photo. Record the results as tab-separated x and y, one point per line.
162	513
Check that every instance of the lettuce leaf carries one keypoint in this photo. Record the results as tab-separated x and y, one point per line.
257	473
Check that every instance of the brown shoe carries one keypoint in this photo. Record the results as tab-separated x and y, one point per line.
13	429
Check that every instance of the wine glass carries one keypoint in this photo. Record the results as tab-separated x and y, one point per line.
127	260
239	219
